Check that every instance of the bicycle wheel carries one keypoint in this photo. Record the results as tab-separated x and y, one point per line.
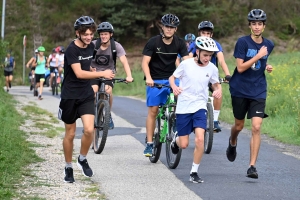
35	92
53	85
172	159
209	133
102	114
156	142
56	85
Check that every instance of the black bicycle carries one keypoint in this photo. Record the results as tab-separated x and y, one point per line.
164	130
55	83
102	115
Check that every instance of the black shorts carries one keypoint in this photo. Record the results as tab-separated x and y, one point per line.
39	77
98	82
8	73
32	68
52	69
253	108
72	109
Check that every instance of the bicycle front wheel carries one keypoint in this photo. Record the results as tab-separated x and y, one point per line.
156	142
102	116
209	133
172	159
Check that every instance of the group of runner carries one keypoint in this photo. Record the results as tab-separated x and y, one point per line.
84	61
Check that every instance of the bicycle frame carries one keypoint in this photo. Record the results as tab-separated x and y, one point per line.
164	115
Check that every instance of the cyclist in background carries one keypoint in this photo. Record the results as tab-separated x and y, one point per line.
40	70
248	86
194	75
32	64
189	38
104	60
205	28
52	59
77	96
158	64
60	61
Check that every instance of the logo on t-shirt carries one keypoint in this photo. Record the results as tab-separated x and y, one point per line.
84	58
256	66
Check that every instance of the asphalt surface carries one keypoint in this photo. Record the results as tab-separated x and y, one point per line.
124	173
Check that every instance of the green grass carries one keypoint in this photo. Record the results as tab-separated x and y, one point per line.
15	151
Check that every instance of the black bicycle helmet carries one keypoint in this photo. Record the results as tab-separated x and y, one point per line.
170	20
105	27
205	25
257	15
83	21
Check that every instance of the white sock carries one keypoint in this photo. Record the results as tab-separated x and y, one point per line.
216	115
82	157
195	168
69	165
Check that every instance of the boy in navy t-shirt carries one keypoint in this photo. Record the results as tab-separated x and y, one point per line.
248	86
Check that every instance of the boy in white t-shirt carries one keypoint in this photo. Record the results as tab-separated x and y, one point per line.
194	75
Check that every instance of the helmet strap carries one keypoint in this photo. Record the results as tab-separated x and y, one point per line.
257	36
198	60
84	44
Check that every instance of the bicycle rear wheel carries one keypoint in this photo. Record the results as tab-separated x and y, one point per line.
102	115
53	85
35	92
172	159
156	142
209	133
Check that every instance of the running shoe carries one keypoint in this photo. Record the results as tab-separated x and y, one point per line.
85	168
252	173
231	152
195	178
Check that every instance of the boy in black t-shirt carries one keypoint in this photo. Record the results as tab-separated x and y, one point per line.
160	54
77	96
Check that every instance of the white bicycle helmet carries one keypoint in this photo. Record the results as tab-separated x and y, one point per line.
206	43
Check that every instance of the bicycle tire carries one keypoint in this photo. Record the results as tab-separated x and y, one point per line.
102	115
172	159
53	85
156	142
56	86
35	92
209	133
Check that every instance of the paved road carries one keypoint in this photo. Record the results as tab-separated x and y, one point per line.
124	173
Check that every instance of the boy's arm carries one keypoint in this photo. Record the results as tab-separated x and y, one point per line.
124	61
146	70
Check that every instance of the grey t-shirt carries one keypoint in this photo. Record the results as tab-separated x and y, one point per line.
104	59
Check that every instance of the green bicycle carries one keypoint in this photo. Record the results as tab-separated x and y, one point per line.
165	131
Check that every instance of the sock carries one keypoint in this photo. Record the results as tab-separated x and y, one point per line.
216	115
195	168
69	165
82	157
149	143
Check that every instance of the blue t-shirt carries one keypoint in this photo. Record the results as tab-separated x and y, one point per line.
251	83
192	48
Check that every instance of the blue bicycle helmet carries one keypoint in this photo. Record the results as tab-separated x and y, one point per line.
170	20
83	21
105	27
257	15
189	37
205	25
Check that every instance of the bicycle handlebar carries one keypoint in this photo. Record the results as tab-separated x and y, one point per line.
117	80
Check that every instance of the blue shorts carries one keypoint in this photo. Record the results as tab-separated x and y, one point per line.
186	123
156	96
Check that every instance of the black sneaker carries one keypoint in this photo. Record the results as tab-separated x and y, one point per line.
174	146
69	178
84	166
231	152
195	178
251	172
